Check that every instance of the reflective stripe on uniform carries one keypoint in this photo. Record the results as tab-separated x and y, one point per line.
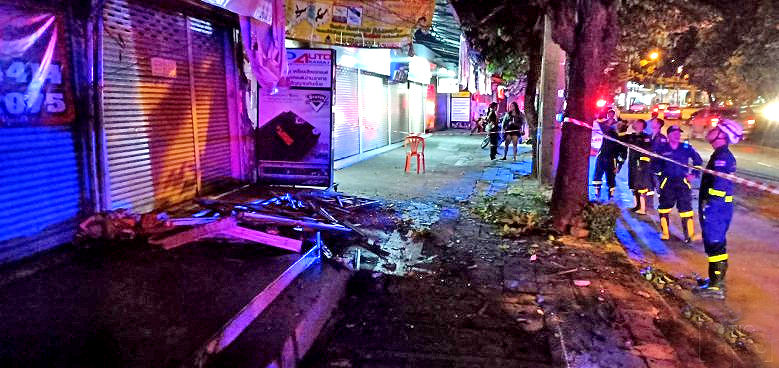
686	214
645	158
597	182
662	185
719	258
728	198
650	193
718	193
663	210
687	182
643	191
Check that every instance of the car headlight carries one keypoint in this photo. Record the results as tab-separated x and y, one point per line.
771	111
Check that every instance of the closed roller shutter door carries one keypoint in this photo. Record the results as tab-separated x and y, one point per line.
211	102
150	135
346	130
40	189
415	99
398	111
373	112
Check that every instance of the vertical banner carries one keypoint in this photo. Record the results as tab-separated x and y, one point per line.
294	137
460	113
34	69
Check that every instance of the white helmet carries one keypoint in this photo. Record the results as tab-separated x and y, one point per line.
732	129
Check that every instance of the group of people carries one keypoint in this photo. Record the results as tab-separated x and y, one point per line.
671	178
512	125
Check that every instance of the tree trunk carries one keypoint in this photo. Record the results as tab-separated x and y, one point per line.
594	40
531	96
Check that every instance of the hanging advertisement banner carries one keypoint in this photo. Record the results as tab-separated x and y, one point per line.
34	70
294	136
356	23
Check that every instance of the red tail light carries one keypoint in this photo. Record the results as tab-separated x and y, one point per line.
750	122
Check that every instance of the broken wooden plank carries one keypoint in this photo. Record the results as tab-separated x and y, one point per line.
308	225
264	238
194	234
191	221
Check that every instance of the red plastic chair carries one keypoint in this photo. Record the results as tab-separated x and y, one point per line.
413	143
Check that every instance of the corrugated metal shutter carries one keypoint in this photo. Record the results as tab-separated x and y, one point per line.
398	111
40	189
416	106
346	130
150	135
213	127
373	112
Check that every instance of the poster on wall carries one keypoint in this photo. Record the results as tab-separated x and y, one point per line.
460	115
34	70
358	23
294	134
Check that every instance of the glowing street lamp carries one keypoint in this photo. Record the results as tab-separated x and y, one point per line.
654	55
771	111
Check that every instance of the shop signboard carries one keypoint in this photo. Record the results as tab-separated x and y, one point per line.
294	136
34	70
460	113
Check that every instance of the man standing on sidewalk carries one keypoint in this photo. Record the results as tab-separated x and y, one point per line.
675	186
715	205
493	129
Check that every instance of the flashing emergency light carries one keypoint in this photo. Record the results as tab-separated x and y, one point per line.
601	103
771	111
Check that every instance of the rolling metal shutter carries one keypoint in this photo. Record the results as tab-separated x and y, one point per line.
416	108
346	130
213	129
154	148
398	111
40	189
373	112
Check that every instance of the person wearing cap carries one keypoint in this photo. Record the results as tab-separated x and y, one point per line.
610	156
639	173
715	205
675	188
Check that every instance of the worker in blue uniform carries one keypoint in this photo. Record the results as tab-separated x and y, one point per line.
610	157
715	205
639	172
675	183
659	140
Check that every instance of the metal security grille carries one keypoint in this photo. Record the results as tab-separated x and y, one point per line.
373	112
164	105
416	108
346	130
399	111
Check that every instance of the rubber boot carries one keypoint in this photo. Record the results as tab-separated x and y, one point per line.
638	201
714	286
665	227
688	226
641	205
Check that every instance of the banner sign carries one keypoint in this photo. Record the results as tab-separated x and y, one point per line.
460	115
356	23
294	136
34	70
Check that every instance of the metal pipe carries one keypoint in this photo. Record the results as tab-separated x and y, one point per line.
260	217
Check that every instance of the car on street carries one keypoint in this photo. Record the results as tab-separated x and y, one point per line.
638	107
660	107
701	121
672	112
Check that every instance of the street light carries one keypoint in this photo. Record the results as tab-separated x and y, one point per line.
654	55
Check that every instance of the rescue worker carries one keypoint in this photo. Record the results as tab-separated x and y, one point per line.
639	170
658	141
715	205
610	156
675	183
